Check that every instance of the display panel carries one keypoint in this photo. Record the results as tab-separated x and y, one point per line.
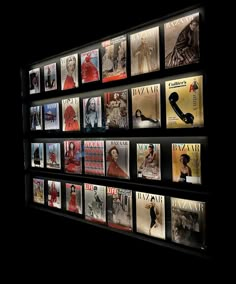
36	118
94	161
186	163
90	66
182	41
148	161
54	194
50	77
37	155
74	201
188	221
95	203
73	156
51	116
92	113
115	150
71	114
38	191
144	51
69	72
150	214
119	208
117	111
184	102
53	156
117	157
34	81
114	53
146	107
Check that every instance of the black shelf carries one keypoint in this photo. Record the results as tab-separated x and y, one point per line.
168	188
163	243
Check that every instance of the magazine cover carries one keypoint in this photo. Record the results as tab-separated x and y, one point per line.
146	106
150	214
149	161
37	156
145	51
71	114
184	103
34	81
54	194
69	72
188	221
116	106
114	59
53	155
36	118
90	66
92	113
50	77
117	158
72	156
182	41
95	203
74	198
186	162
119	208
51	116
94	163
38	190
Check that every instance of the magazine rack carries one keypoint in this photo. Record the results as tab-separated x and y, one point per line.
163	135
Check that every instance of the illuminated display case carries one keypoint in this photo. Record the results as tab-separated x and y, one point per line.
115	133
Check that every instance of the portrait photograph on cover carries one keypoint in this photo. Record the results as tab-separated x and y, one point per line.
188	222
69	72
38	191
146	106
50	77
36	118
95	203
150	214
145	51
114	56
182	41
54	194
34	81
74	198
71	114
117	159
90	66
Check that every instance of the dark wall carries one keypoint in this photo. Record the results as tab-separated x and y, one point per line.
51	236
54	30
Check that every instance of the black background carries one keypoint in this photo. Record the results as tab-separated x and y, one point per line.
45	31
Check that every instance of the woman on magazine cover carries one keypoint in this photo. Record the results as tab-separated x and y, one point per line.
53	193
91	115
150	158
89	70
186	49
71	158
114	170
71	122
73	206
141	117
143	53
185	170
70	67
154	214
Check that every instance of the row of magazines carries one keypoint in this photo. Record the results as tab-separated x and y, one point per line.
184	108
114	207
181	40
111	158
